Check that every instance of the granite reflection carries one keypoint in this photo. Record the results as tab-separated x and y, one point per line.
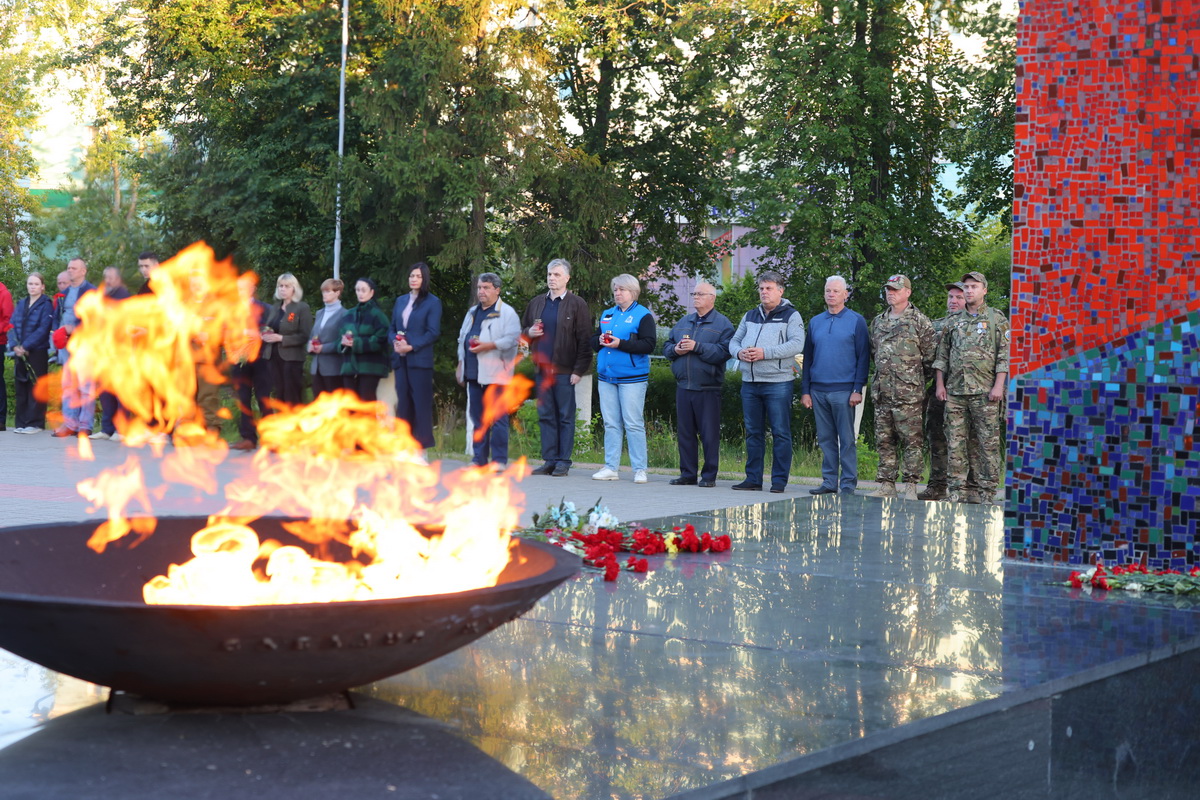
828	620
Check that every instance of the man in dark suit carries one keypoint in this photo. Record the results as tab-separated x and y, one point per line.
250	374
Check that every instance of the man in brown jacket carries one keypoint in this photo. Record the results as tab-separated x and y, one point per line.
558	326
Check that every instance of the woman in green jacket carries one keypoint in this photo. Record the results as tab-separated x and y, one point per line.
364	342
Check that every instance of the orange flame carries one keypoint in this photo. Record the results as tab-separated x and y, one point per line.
338	465
499	400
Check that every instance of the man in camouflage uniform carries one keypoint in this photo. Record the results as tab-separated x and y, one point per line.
935	410
971	371
902	343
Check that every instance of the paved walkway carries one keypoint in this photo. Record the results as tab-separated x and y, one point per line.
39	475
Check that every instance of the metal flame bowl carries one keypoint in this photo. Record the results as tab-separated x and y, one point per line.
81	613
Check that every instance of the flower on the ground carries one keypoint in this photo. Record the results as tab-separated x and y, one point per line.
597	537
1136	578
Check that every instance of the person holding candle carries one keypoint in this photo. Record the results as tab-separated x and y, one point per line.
415	325
487	352
624	340
326	332
363	342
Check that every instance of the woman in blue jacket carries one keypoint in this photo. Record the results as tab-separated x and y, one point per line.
416	325
624	341
29	343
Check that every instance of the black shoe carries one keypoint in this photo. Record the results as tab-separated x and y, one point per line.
822	490
778	489
682	481
706	484
544	469
747	486
560	470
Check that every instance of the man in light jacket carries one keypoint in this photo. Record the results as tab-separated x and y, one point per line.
487	353
766	344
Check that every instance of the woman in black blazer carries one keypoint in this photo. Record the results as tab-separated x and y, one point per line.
415	326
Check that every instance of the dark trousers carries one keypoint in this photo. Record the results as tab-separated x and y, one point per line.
414	401
556	418
287	379
698	415
251	378
3	394
490	444
365	386
30	412
324	384
109	406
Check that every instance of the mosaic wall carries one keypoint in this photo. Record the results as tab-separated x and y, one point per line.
1106	283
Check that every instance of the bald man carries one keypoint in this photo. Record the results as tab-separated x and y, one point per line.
698	349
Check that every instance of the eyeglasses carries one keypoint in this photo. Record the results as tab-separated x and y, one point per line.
704	294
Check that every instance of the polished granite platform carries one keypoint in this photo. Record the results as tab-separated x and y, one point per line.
830	619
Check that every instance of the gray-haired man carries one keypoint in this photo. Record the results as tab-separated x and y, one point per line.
487	352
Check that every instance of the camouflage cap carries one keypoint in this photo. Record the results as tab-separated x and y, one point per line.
956	285
975	276
899	282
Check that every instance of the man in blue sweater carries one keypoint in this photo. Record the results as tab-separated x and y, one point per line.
837	354
766	343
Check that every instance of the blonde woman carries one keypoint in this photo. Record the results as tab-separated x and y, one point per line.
285	339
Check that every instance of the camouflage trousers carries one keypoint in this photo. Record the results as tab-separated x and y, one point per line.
935	434
900	426
973	438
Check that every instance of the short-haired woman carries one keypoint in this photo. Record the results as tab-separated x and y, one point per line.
289	325
624	340
363	342
415	326
326	331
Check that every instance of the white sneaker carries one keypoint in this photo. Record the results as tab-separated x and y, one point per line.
99	435
116	437
606	474
639	476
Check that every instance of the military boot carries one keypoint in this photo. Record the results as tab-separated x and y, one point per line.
933	493
886	489
909	491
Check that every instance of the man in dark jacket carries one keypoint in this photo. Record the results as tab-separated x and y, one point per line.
251	373
698	349
114	290
558	326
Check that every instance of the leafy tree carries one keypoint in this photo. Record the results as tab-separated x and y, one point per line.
246	92
19	75
645	89
845	127
984	141
111	219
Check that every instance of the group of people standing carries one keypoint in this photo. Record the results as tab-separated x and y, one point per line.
351	348
944	380
939	380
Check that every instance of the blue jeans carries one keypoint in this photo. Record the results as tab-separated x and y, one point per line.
835	435
78	402
768	404
621	406
556	418
491	444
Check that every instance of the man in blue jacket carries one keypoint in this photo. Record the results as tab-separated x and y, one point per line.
78	404
836	359
698	349
766	344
